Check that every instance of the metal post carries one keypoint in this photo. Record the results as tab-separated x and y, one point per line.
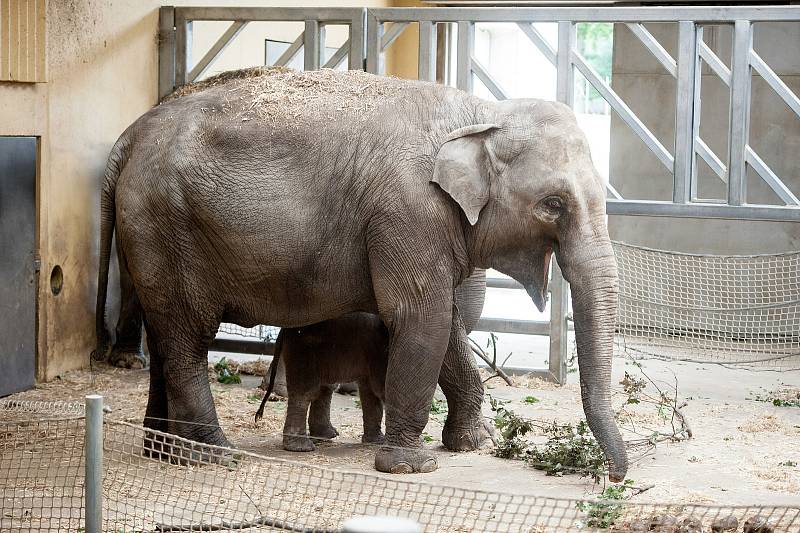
427	51
183	48
740	112
313	45
93	486
355	58
375	63
684	121
166	51
696	112
466	39
559	288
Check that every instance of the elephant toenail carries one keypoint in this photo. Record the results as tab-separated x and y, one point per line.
402	468
428	466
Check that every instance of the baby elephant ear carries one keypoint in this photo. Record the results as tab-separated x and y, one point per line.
462	168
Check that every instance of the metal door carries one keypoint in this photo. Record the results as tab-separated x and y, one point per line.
17	270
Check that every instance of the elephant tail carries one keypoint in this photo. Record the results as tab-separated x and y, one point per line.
107	215
273	371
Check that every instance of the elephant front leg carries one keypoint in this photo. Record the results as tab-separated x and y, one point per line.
465	428
319	415
415	357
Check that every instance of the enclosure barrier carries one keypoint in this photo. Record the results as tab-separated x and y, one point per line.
152	481
373	31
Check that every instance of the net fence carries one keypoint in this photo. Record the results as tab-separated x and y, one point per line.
265	333
157	482
709	308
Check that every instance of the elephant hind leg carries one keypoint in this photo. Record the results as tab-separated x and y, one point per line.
180	343
319	416
372	412
127	350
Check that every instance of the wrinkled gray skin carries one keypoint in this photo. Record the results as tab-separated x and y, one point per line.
469	298
315	358
380	202
351	348
127	350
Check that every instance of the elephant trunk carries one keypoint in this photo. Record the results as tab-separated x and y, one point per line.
592	271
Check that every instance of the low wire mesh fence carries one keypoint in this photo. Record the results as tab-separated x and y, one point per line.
157	482
741	310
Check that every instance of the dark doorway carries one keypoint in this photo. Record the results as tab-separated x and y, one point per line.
17	268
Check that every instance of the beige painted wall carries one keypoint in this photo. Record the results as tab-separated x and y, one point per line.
102	74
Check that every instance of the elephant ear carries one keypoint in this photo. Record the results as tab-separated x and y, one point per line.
462	168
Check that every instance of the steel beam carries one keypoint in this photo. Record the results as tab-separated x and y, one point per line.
466	40
338	56
313	45
287	56
328	15
777	84
483	75
702	210
655	48
715	63
166	51
216	49
684	120
374	62
565	74
183	48
740	112
503	283
426	70
587	14
711	159
356	57
540	42
766	174
242	346
625	112
522	327
390	36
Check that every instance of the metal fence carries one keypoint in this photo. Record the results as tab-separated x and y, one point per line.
64	471
373	31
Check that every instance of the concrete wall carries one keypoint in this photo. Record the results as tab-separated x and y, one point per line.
774	133
102	74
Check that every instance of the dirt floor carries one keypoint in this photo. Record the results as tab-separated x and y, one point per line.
743	451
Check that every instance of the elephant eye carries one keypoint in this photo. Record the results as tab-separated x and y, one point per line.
553	203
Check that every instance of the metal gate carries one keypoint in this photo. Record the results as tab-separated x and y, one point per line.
17	263
373	31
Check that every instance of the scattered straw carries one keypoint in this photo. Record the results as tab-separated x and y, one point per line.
282	94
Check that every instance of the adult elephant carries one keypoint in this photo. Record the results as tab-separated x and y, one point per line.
271	196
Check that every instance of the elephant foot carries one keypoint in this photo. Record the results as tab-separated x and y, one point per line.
467	437
298	444
376	438
279	390
127	358
348	388
324	432
405	460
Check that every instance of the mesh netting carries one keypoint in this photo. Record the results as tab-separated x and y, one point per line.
41	466
712	309
157	482
266	333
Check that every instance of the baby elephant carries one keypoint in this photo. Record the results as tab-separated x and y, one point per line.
316	358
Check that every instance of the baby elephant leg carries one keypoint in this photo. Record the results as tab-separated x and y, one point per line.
319	418
372	410
295	437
